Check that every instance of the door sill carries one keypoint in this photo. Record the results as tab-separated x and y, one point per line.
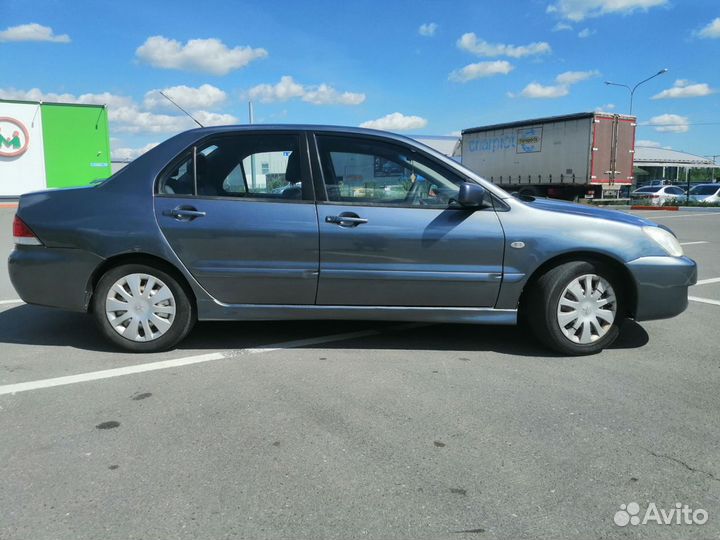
215	311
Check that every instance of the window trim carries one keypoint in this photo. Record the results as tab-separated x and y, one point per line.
191	152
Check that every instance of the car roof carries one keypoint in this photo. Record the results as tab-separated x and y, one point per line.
209	130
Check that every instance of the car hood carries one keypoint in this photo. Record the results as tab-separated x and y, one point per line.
563	207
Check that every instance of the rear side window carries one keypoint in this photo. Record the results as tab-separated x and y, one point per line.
248	166
653	189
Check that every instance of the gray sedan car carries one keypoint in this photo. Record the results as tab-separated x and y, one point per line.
307	222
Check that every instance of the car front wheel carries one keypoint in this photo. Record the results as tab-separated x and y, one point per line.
576	308
142	309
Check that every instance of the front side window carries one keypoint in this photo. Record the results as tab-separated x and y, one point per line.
248	166
366	171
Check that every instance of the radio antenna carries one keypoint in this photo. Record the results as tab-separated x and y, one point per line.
179	107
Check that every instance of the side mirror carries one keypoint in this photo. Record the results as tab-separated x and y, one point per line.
471	195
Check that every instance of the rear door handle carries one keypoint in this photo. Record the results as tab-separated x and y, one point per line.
346	219
184	213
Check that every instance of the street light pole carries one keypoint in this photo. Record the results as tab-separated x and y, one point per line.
632	90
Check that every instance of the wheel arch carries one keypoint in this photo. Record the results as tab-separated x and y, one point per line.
139	258
625	277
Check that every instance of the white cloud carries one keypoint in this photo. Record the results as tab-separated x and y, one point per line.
711	30
32	32
205	96
585	33
206	55
396	122
481	69
560	26
428	29
469	42
647	143
288	88
684	89
538	91
134	120
327	95
128	154
214	119
564	81
574	77
35	94
605	108
673	123
124	114
577	10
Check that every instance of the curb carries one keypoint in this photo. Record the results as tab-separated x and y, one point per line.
666	208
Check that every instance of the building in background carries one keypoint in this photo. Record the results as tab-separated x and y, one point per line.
653	163
51	145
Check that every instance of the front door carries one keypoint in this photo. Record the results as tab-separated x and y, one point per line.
390	235
238	211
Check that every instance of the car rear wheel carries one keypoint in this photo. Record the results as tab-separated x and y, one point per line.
576	308
142	309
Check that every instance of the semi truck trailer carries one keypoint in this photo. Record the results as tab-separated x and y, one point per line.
572	157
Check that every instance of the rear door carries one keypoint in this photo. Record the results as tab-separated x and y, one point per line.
389	235
239	212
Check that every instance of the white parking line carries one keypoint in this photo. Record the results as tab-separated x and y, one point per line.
177	362
708	281
696	299
694	243
15	301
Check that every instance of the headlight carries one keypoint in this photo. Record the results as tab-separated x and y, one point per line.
665	239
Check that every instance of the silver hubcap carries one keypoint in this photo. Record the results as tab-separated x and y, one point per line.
140	307
586	309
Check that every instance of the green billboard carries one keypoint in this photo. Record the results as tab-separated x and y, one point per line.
77	144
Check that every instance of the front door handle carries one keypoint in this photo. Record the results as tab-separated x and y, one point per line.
184	213
346	219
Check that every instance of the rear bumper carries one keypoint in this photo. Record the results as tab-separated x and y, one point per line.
662	285
53	277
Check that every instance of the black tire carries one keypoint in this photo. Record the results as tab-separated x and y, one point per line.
180	325
543	302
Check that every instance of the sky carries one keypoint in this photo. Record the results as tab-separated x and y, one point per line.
415	67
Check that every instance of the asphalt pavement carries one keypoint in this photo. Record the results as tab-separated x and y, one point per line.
360	430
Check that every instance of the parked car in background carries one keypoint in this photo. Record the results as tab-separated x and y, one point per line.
189	232
708	193
657	195
657	182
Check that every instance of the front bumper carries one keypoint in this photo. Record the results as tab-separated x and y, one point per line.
662	286
52	276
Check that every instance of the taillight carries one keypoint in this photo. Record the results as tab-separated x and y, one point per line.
22	234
